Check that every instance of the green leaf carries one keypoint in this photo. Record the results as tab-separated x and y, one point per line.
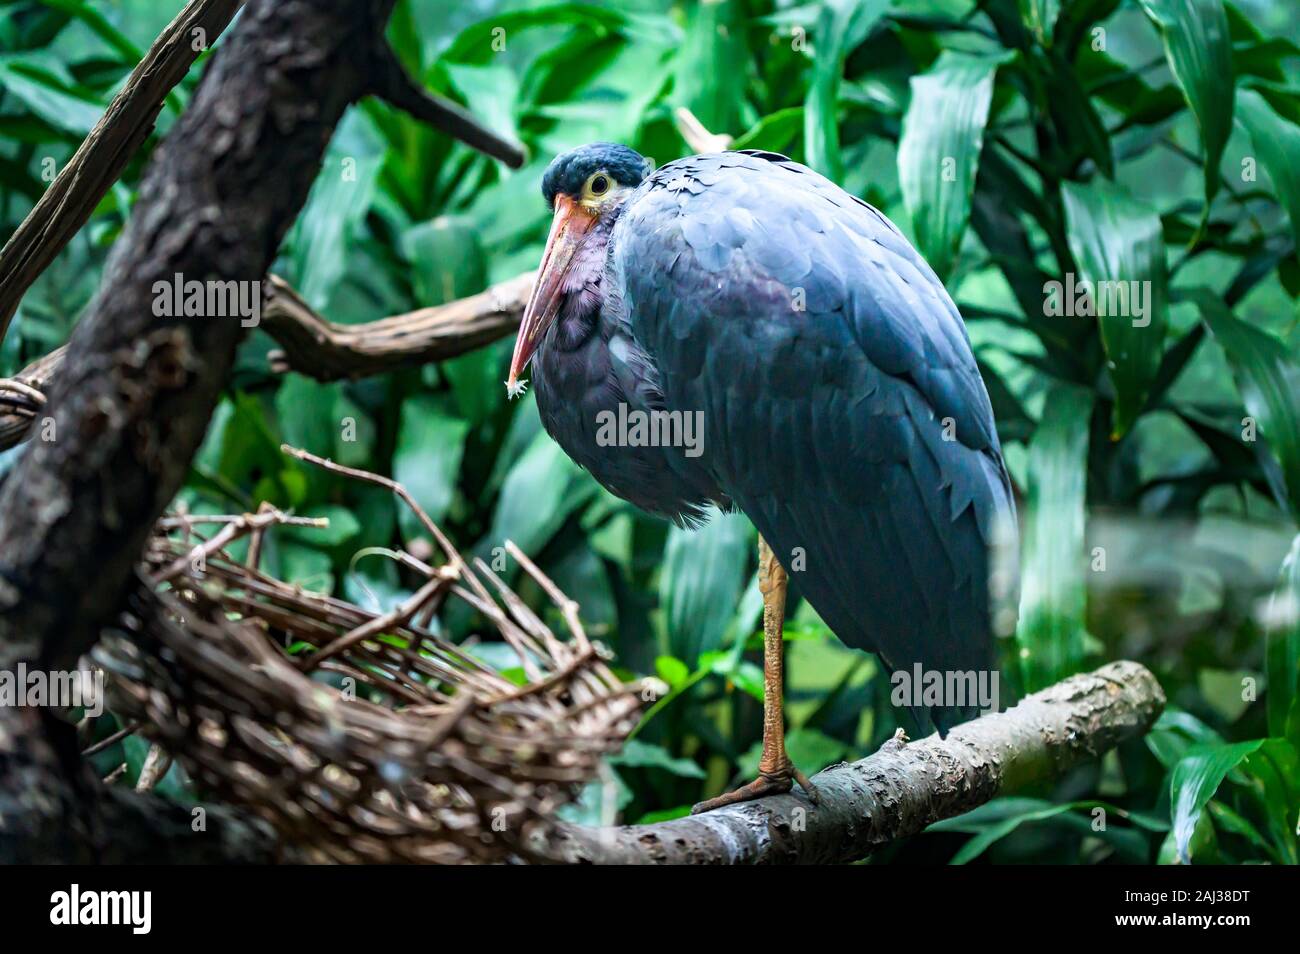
1273	773
713	64
992	822
1193	782
1199	49
841	26
776	132
1234	823
1118	245
1282	649
1040	17
42	91
1268	378
704	572
335	206
939	151
430	444
1054	595
100	25
672	671
541	490
446	260
1175	733
638	754
343	526
306	567
1277	146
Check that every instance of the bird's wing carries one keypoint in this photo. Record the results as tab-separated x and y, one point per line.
841	405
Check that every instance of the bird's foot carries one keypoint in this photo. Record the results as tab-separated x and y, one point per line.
775	782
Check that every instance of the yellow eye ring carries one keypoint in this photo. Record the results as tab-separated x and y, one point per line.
598	184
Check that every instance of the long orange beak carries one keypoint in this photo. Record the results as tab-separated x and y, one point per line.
568	228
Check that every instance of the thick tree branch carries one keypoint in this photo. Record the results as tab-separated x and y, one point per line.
99	161
136	389
902	788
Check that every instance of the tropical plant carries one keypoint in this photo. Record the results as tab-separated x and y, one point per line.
1109	189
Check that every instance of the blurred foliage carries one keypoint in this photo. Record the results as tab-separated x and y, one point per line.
1018	142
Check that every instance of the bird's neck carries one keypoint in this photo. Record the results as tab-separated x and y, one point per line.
583	289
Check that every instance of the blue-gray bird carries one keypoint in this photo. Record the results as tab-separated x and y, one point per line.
841	407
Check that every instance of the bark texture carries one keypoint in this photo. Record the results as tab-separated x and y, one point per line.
135	392
902	788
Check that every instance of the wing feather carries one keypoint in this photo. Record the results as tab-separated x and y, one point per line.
843	410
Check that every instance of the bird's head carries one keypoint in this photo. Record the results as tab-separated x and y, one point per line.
585	187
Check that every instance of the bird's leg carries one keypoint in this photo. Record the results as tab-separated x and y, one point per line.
776	773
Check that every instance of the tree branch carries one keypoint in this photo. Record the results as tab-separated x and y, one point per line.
397	88
902	788
97	163
322	349
327	351
136	390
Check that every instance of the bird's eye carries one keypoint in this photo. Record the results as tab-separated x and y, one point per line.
599	184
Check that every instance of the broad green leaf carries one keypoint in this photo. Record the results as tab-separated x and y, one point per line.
343	526
939	151
481	41
1079	126
1233	822
1268	377
335	207
541	490
446	260
1282	650
1193	782
430	443
100	25
1053	597
1274	775
776	132
46	95
713	65
1277	148
672	671
638	754
1199	49
306	567
1118	245
1175	733
841	26
491	93
1040	17
999	818
703	575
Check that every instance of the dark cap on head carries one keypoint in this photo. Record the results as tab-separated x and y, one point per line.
568	171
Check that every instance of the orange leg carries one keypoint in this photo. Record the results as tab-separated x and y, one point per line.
776	773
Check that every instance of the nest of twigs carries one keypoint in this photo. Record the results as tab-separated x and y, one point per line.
362	736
